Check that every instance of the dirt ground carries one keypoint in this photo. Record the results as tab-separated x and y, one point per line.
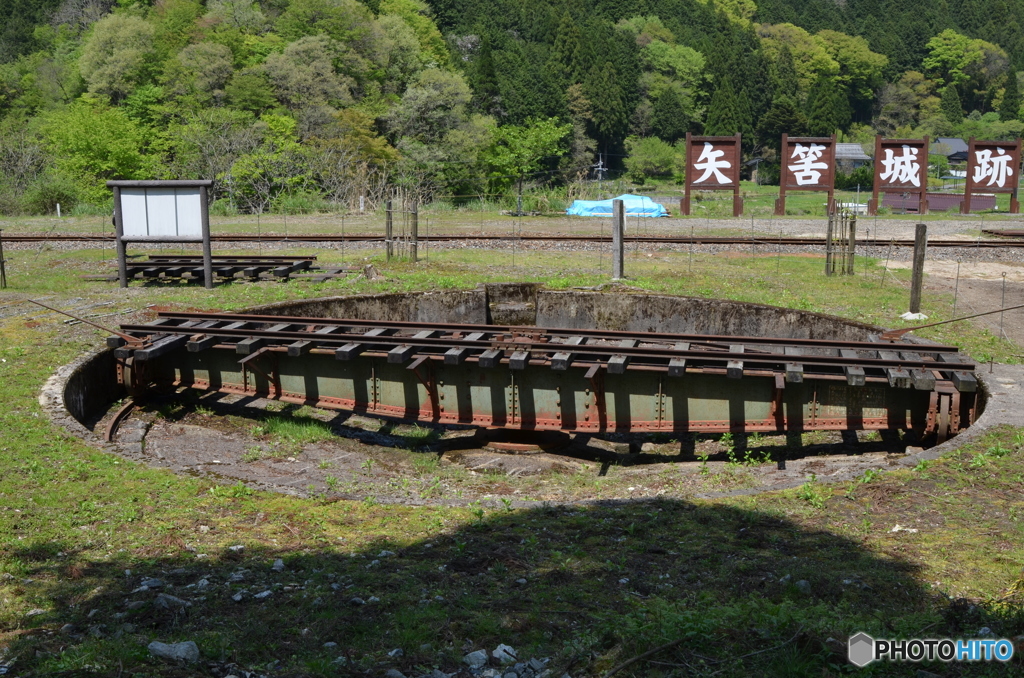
980	289
372	459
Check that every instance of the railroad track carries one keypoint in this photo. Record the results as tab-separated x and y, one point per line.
673	240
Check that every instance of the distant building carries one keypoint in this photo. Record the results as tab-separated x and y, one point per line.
953	148
851	156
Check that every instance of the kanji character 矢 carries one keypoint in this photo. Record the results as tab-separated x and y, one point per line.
711	164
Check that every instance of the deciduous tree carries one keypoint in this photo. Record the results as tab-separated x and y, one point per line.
118	56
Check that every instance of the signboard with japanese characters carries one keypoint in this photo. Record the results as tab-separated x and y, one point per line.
901	166
992	167
713	164
807	164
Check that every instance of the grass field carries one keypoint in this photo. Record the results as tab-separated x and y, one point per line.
769	585
449	216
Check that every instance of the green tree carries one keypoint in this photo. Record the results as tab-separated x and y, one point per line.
518	150
678	62
951	56
950	105
825	108
786	82
93	143
202	69
670	119
484	80
567	50
608	106
175	25
397	55
810	58
860	69
782	118
244	15
205	144
417	15
277	166
118	56
304	75
649	157
249	90
346	21
1010	108
724	114
434	103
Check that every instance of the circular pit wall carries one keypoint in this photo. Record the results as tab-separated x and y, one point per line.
367	456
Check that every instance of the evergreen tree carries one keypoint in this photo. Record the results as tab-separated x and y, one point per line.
484	80
724	114
568	50
608	108
950	105
1010	110
823	108
669	120
786	82
782	118
760	88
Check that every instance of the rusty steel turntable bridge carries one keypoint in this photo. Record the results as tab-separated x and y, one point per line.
533	378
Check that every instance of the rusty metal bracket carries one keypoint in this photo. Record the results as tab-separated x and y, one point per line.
250	362
595	376
428	383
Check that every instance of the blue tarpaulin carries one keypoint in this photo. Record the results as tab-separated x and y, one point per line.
636	205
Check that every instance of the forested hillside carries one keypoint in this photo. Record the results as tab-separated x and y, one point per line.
301	104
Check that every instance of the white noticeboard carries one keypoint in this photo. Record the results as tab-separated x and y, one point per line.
162	212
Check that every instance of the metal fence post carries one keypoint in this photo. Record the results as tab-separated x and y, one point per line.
852	244
3	264
920	247
414	231
387	231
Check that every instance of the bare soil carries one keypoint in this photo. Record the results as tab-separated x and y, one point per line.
372	458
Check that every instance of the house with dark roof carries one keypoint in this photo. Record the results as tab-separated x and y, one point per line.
851	156
953	148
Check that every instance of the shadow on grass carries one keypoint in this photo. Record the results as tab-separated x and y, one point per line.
749	593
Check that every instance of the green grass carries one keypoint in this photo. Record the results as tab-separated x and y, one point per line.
720	575
295	430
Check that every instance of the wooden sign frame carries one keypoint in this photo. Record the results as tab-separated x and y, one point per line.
160	189
733	153
789	182
1010	148
882	186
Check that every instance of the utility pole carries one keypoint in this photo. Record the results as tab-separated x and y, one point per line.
600	169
